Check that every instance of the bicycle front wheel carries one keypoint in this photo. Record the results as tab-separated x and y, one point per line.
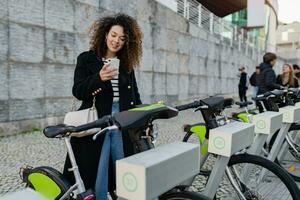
276	184
291	161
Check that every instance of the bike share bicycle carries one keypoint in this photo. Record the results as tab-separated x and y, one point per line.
138	122
287	150
254	188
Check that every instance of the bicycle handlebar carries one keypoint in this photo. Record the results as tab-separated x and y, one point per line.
53	131
187	106
103	121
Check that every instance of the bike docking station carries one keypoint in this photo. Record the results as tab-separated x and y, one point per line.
266	124
147	175
24	194
290	119
297	104
226	141
290	114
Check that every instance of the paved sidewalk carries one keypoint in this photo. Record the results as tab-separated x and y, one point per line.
35	149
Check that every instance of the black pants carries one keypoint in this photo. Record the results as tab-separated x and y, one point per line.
242	94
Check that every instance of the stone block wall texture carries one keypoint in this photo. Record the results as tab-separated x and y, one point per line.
40	40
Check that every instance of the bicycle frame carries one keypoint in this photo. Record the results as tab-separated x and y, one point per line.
220	166
279	148
78	180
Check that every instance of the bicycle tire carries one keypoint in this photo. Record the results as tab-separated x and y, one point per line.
50	175
284	176
296	178
291	151
183	195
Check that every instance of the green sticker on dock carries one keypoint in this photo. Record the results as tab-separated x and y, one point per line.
219	143
261	124
130	182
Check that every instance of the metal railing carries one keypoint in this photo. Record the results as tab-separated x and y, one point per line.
225	30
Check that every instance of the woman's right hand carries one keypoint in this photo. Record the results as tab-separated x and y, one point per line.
107	73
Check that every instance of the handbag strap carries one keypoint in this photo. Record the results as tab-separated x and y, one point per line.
73	106
94	102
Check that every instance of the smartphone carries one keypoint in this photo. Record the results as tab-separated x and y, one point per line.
113	63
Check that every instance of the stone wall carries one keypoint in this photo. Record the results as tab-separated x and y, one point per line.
40	40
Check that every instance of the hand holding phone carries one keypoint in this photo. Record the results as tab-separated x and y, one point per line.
114	63
110	69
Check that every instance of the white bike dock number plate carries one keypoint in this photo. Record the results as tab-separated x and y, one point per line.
291	114
267	122
230	138
297	104
147	175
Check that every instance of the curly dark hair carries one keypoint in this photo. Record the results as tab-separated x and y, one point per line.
131	52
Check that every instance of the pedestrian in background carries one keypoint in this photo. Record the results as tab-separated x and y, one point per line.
267	80
296	71
287	78
254	80
243	84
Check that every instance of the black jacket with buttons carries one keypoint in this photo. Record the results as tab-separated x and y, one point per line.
87	81
87	84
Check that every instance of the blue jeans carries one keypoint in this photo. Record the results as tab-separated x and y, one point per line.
255	90
112	145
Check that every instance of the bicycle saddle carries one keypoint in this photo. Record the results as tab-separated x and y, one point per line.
243	104
53	131
294	90
139	117
277	93
216	103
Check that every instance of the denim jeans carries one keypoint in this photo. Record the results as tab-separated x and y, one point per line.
112	145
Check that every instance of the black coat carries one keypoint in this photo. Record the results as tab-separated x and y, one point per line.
86	82
243	81
267	80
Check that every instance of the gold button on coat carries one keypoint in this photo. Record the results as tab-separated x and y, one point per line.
129	86
131	103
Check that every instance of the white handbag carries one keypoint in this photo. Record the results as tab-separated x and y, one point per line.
80	117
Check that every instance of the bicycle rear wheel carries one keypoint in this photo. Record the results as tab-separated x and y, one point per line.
291	160
183	195
276	184
291	163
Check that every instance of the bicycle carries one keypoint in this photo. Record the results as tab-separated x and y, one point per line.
254	187
290	143
138	121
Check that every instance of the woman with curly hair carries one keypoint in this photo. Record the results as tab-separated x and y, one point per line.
114	90
287	78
